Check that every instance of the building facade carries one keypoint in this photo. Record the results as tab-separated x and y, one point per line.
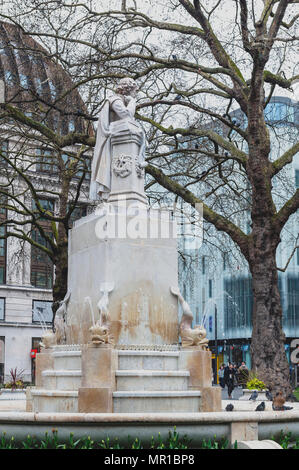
34	84
217	284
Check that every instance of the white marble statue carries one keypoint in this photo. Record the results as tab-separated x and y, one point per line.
100	331
58	336
116	115
191	337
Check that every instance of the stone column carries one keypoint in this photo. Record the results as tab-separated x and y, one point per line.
43	361
199	364
98	379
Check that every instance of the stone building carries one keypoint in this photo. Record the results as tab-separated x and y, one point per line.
36	85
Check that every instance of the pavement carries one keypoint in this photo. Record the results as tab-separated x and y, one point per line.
249	405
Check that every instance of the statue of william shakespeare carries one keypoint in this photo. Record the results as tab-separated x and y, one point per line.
116	117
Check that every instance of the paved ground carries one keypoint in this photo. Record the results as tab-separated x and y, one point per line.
237	393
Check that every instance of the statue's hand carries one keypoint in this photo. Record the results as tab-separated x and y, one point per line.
129	99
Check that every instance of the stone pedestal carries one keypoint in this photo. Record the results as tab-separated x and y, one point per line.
210	399
98	380
199	364
127	177
44	361
141	269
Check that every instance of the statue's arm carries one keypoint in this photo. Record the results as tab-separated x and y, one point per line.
124	111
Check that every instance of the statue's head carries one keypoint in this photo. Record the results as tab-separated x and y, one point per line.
127	86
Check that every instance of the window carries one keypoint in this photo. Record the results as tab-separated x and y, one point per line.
2	358
42	311
41	264
203	265
78	212
291	313
23	81
9	78
45	162
4	152
2	309
210	288
80	167
2	246
38	85
225	261
52	90
237	303
71	125
279	112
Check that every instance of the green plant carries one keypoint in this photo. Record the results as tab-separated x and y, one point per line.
16	381
214	444
254	383
6	443
106	444
285	440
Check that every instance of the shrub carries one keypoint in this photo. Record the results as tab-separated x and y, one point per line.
254	383
16	381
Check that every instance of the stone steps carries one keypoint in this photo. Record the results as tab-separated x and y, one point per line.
54	401
146	381
150	380
62	379
147	360
156	401
67	360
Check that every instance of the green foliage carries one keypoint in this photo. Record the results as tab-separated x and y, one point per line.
16	381
214	444
286	441
51	441
254	383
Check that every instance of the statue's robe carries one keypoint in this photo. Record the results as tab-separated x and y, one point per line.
113	110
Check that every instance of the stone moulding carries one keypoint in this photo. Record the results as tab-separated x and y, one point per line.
148	347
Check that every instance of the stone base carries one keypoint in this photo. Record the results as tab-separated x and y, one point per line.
141	267
95	400
124	381
199	364
98	367
243	431
44	361
211	399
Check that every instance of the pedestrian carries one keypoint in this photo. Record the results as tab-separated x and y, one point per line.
230	379
243	374
221	376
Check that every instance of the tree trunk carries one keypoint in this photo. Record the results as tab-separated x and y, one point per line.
267	344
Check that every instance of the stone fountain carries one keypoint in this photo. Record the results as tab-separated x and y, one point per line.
115	346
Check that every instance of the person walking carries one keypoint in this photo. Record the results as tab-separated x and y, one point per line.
221	376
230	379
